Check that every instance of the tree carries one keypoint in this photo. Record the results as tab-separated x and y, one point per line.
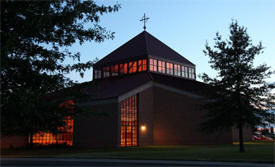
35	37
242	97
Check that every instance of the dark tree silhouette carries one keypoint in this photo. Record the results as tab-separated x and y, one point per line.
242	96
35	37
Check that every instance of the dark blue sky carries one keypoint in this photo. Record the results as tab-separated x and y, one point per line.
185	26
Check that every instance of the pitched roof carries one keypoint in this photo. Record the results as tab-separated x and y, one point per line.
117	86
114	87
141	46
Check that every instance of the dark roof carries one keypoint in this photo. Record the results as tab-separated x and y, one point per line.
116	86
188	85
141	46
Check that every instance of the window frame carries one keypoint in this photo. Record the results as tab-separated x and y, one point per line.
161	66
177	70
106	73
169	68
153	65
114	70
123	68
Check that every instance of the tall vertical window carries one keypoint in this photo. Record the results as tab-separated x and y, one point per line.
97	74
128	122
114	70
177	70
186	72
106	72
169	68
123	68
142	65
182	71
64	135
192	73
132	66
161	66
153	65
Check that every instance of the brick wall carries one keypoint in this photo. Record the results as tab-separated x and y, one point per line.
146	116
12	141
177	120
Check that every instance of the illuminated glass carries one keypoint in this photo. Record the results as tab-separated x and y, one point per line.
128	119
177	71
64	135
192	73
169	68
186	72
161	66
132	67
114	70
106	72
153	65
142	65
182	71
123	68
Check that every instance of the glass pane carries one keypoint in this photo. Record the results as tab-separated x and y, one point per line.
64	135
128	129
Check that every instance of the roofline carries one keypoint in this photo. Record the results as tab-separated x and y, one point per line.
117	48
170	48
101	64
158	85
175	62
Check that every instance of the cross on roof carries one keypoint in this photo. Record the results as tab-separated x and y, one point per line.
144	19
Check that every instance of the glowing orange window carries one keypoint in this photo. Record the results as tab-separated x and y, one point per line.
142	65
64	135
114	70
153	65
132	67
161	66
169	68
128	120
123	68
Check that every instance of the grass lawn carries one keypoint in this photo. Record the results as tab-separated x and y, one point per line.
255	152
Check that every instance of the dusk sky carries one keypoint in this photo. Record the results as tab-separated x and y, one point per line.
185	26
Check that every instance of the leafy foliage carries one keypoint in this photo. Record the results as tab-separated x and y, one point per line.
35	37
242	96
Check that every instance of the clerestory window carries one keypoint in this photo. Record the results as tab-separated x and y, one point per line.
161	66
153	65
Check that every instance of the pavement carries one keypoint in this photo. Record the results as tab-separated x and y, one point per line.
54	162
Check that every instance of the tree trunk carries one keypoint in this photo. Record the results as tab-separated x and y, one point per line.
31	140
241	138
26	141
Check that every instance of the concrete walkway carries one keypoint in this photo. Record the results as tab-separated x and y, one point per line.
120	162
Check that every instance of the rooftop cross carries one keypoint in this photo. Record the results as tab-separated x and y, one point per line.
144	19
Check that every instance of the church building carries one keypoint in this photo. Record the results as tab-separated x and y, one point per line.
142	93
